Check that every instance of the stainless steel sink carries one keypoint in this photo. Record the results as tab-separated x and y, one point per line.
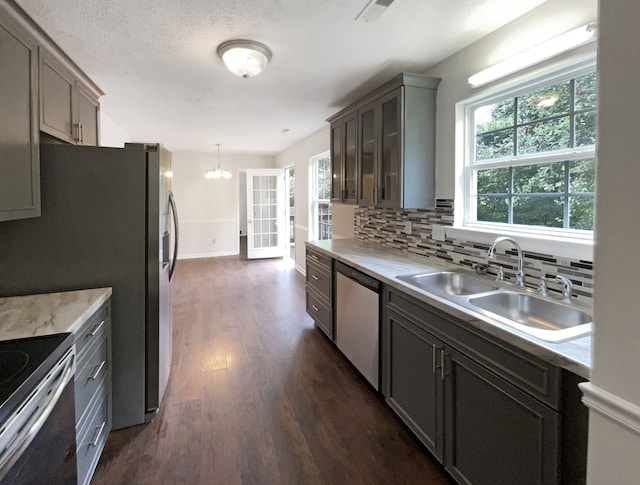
541	318
449	283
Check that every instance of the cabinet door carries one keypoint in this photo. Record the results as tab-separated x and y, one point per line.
390	149
412	383
350	160
494	433
367	152
88	112
19	153
336	161
57	100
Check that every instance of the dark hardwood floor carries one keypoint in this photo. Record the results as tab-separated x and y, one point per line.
257	395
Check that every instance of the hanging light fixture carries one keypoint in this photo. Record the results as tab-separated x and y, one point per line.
219	172
244	58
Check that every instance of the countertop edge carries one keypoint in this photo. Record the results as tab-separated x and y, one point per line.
49	313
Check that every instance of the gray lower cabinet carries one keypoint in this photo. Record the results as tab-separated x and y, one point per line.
319	290
495	433
489	412
413	387
92	390
19	150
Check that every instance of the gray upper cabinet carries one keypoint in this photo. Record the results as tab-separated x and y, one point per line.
69	108
344	159
19	152
395	147
42	91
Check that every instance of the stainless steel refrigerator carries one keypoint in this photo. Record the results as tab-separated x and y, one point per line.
108	219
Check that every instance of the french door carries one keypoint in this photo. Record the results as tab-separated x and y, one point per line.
265	213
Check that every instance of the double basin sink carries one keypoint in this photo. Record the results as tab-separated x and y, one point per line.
538	316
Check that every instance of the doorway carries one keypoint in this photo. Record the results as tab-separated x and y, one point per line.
265	213
290	188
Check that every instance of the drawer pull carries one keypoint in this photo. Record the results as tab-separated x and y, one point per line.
315	308
315	277
313	256
442	364
97	371
100	429
96	328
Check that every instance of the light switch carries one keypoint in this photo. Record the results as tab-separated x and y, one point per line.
438	232
407	227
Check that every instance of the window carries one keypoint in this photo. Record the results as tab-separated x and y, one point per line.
530	155
320	191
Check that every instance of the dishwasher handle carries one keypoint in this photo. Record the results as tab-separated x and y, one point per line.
359	277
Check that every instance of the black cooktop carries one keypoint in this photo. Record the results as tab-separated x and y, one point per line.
24	363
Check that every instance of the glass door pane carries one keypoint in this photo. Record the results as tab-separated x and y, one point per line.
265	214
390	149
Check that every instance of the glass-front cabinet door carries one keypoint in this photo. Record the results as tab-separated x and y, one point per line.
390	161
350	160
367	151
336	161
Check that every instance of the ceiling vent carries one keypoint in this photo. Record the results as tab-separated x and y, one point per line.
373	10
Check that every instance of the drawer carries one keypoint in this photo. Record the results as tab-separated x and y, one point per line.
529	373
320	279
91	330
92	374
320	312
319	259
92	438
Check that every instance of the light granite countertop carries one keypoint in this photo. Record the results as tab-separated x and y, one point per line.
385	264
50	313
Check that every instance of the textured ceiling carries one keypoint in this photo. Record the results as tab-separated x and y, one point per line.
156	60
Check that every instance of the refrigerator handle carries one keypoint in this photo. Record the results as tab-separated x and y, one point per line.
174	212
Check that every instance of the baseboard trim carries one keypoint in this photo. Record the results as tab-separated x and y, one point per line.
208	255
611	406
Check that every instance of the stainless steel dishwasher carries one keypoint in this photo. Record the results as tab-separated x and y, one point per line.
358	320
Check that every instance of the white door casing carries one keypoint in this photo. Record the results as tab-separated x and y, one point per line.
265	213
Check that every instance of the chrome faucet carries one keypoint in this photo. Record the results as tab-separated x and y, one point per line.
567	286
520	273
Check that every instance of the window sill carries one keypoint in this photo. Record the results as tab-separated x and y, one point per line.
572	248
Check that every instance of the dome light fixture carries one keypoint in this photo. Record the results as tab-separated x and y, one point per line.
243	57
219	172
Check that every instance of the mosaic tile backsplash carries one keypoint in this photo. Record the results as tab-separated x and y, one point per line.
387	228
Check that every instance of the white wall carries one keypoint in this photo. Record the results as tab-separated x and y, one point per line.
208	209
614	393
111	134
552	18
298	156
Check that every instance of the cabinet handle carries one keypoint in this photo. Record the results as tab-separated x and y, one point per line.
315	277
433	364
442	364
81	133
315	308
95	329
313	256
97	371
100	429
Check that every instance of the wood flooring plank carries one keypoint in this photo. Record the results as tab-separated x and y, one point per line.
258	395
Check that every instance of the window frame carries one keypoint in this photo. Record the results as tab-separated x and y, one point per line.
314	201
524	85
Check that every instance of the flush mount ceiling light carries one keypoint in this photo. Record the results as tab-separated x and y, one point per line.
541	52
219	172
244	58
